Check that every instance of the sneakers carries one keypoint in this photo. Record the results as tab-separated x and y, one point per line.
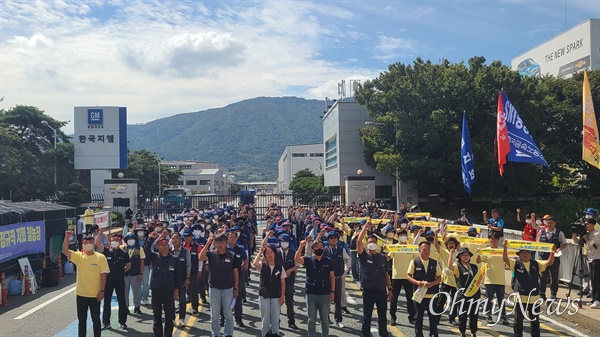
194	311
240	324
553	296
144	302
504	321
489	320
452	321
181	324
137	311
106	326
346	311
123	326
393	322
339	325
293	326
595	305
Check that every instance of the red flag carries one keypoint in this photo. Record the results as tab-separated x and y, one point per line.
501	135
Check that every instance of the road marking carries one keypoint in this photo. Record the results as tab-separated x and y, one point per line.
45	304
191	320
567	328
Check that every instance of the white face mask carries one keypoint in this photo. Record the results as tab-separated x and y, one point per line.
403	238
140	234
285	244
403	225
528	221
131	242
390	235
88	247
179	222
372	246
538	222
114	244
208	227
197	232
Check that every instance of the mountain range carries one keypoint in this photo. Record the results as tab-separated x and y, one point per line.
246	137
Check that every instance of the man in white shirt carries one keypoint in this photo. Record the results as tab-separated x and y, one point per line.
592	242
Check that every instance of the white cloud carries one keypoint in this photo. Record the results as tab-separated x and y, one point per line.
393	48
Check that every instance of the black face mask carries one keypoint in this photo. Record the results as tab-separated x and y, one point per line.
429	239
319	252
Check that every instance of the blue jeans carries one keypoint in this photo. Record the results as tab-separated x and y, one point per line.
321	303
145	286
490	291
269	313
220	299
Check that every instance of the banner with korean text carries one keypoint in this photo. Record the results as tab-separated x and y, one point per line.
21	239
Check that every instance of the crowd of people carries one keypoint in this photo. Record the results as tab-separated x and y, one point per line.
209	256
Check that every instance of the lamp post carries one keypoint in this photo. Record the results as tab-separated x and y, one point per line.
45	123
396	175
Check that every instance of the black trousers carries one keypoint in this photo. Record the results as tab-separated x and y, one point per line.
371	298
535	320
441	300
163	300
119	289
470	310
83	303
237	309
182	302
433	318
397	285
289	303
337	299
595	275
192	290
551	272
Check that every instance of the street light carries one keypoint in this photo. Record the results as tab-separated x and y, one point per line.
45	123
396	144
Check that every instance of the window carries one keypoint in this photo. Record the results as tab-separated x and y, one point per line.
204	182
316	155
298	154
331	152
185	167
173	167
191	182
179	182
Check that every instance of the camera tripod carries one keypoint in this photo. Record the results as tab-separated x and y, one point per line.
578	271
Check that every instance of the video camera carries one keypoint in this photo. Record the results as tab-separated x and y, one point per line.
578	227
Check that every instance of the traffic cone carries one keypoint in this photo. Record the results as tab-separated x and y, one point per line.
4	292
26	281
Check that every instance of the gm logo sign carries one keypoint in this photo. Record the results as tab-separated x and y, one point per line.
95	119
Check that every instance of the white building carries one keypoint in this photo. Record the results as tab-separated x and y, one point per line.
565	54
201	177
296	158
344	152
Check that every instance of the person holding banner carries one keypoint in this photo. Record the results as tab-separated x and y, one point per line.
527	275
465	273
400	262
494	281
553	235
448	280
374	281
425	272
92	268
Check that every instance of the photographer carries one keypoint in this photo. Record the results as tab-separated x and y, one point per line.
553	235
592	242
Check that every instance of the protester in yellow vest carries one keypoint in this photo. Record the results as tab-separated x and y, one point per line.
494	281
448	279
400	262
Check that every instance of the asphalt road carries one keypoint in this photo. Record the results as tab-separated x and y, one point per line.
51	312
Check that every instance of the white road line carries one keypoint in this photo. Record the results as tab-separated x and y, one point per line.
566	327
45	304
350	299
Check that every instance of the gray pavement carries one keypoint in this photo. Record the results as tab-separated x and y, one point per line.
36	316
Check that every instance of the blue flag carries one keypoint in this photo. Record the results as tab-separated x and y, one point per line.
466	153
522	147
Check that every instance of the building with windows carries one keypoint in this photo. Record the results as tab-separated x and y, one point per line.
344	152
201	177
296	158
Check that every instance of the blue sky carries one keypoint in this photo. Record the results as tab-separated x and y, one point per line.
161	58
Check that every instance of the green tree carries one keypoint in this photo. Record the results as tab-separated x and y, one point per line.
143	165
306	182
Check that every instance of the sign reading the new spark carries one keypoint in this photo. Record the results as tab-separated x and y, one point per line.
100	138
22	239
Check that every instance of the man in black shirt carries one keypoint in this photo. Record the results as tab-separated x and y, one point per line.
119	264
223	281
164	283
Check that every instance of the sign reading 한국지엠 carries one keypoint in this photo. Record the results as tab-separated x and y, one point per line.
21	239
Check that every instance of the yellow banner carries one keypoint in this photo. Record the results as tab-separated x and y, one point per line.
591	146
378	221
528	245
469	239
497	252
354	219
425	223
403	249
417	215
477	281
460	228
